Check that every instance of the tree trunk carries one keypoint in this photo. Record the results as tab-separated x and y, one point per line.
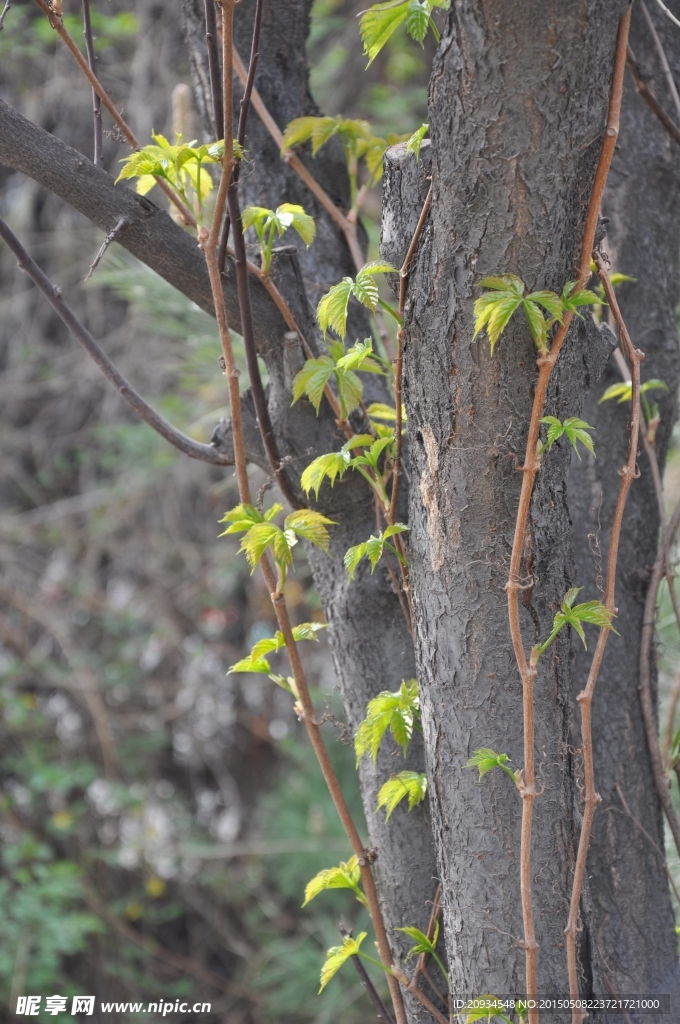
633	915
518	100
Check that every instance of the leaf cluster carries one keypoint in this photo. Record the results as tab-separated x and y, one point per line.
271	224
256	661
406	784
358	141
399	712
260	533
624	392
381	21
182	165
507	293
341	367
338	955
572	428
332	309
424	945
593	612
373	548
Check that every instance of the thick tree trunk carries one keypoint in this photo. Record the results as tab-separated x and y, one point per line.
633	915
517	107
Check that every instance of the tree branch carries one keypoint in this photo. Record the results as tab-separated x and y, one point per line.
650	99
185	444
98	157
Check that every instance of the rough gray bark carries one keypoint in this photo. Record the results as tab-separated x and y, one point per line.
634	919
516	116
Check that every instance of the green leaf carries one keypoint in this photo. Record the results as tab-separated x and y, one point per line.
309	525
406	784
423	944
574	429
332	309
493	310
380	411
415	142
332	465
571	300
485	759
378	24
338	955
243	516
288	215
312	379
344	876
417	20
398	712
259	538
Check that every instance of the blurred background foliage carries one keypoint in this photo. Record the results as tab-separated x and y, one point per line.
159	818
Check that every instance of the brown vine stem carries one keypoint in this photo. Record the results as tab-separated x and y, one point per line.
98	157
585	698
670	81
672	707
54	16
546	363
210	245
348	229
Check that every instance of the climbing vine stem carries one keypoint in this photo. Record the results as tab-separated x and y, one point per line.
585	699
546	363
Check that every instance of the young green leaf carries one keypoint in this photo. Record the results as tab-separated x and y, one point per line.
381	21
338	955
271	224
333	464
256	660
624	390
406	784
331	311
574	429
344	876
485	759
318	130
374	547
399	712
312	379
593	612
424	945
415	142
572	300
506	294
261	533
339	366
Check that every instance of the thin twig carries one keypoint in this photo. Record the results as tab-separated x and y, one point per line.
214	69
650	99
668	13
585	698
672	707
185	444
5	11
651	840
57	24
612	993
546	363
348	229
673	89
98	158
119	226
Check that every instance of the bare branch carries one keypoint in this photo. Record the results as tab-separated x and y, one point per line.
650	99
185	444
672	87
98	157
5	11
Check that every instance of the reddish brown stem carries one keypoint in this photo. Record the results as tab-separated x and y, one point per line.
585	698
546	363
